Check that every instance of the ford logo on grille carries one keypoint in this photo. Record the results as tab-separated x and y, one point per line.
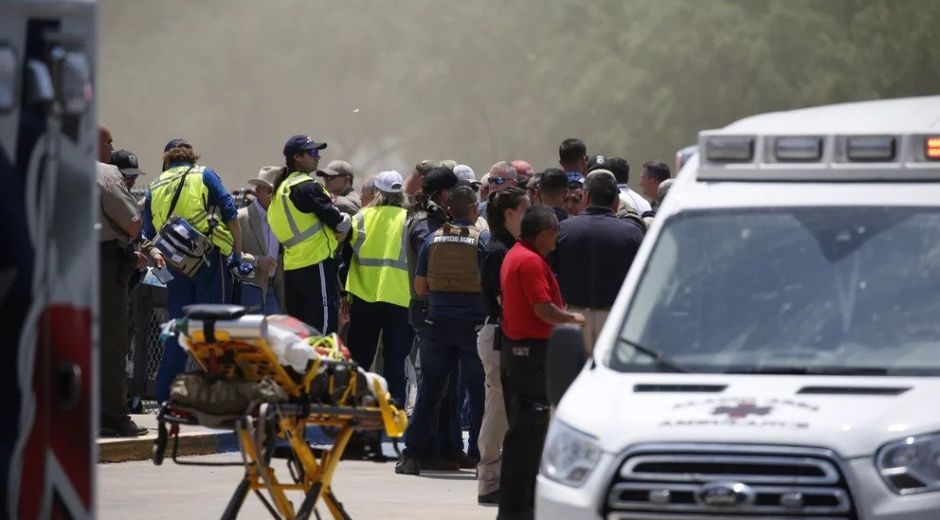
726	494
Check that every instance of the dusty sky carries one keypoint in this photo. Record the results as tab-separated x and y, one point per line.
238	77
388	83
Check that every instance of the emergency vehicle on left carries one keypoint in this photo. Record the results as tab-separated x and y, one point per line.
48	265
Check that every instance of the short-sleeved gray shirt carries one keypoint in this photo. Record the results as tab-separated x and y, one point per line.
117	209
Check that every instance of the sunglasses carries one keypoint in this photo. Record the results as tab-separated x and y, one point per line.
314	153
574	177
499	181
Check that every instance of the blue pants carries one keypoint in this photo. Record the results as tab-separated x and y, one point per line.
254	302
270	300
445	435
211	284
451	347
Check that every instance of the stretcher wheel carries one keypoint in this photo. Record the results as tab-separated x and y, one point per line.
159	445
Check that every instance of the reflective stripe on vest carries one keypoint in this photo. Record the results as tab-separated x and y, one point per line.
298	236
378	271
400	263
306	240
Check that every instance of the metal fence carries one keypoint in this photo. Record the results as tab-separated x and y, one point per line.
148	313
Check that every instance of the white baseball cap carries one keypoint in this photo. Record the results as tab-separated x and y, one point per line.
462	171
389	181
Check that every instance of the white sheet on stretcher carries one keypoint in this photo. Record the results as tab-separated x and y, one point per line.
291	350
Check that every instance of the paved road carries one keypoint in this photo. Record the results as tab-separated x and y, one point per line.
143	491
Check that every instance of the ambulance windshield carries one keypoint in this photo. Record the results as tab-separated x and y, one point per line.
840	291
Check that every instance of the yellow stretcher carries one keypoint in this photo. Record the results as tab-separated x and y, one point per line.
331	392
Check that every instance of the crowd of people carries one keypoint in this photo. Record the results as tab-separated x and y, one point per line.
445	283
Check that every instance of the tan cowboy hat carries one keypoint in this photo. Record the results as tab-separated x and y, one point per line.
266	176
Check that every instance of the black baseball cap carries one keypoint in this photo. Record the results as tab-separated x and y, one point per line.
597	162
301	143
175	143
616	165
126	162
439	179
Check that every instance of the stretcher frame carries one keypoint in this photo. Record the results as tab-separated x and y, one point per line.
311	469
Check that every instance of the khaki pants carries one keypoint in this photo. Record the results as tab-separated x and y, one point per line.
490	442
593	323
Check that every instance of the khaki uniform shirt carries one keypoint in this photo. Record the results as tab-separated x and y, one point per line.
117	209
348	202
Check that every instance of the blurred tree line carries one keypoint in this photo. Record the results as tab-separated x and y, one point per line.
485	80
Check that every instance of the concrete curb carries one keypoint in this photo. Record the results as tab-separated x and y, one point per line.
193	440
141	448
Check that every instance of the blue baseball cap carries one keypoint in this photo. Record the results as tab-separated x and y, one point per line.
301	143
175	143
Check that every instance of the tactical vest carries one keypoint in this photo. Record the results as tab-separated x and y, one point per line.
453	262
192	204
305	239
379	268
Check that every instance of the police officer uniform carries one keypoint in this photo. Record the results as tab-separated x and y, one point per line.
421	224
378	285
116	213
450	260
207	206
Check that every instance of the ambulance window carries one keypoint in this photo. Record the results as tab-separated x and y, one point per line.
791	290
75	82
8	78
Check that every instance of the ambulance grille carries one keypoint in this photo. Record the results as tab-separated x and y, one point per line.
678	481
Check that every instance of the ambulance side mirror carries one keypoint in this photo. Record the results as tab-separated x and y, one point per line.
563	361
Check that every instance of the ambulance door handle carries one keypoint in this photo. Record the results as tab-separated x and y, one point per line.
69	385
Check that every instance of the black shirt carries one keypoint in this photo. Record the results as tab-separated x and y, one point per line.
420	225
311	198
594	253
496	250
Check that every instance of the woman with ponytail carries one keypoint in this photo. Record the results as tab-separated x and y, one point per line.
504	213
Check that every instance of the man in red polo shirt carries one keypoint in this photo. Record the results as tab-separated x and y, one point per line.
532	305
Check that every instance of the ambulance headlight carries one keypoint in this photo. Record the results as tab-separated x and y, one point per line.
911	465
569	455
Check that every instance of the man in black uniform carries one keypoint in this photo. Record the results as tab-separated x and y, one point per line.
429	215
448	272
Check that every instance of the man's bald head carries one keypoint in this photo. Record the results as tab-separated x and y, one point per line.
105	144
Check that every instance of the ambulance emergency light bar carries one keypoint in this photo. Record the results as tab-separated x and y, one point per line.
932	148
819	157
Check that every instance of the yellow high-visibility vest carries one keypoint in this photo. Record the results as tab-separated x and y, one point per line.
305	239
191	205
379	268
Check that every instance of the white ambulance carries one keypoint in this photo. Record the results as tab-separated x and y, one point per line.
774	352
